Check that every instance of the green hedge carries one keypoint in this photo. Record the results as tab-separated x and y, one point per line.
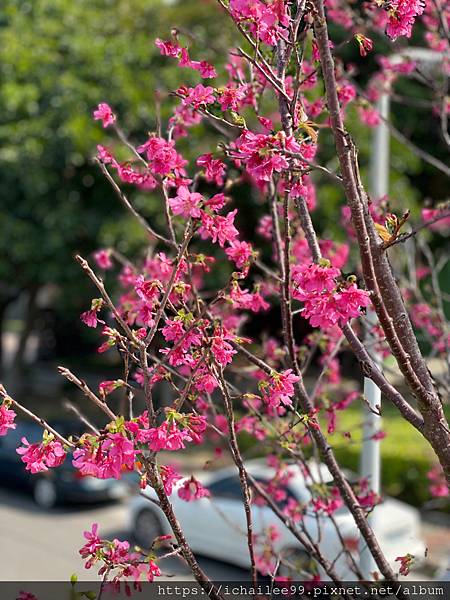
406	455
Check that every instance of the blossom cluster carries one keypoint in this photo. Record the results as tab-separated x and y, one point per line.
175	431
49	453
173	49
104	457
7	417
116	558
279	388
402	15
265	20
327	302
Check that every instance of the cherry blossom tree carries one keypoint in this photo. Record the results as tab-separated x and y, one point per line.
169	325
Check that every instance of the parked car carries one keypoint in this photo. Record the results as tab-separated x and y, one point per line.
216	526
63	484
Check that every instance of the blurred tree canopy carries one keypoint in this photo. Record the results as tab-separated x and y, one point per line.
58	60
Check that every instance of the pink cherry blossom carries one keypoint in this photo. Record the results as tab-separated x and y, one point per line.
147	290
220	229
168	48
172	49
327	303
115	558
197	96
279	388
246	300
365	44
328	504
186	203
405	563
7	417
169	476
206	70
162	157
261	154
428	214
214	168
41	456
216	202
107	387
346	93
147	569
167	437
222	351
104	114
253	426
239	252
183	117
205	381
230	98
192	489
402	15
314	279
264	20
195	427
92	544
173	330
106	458
103	259
105	156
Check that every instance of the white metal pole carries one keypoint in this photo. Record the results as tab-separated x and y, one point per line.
370	466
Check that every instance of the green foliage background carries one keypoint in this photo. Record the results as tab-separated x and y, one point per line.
58	59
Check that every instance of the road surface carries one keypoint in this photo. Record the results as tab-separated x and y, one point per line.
38	545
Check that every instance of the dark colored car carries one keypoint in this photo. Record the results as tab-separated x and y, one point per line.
63	484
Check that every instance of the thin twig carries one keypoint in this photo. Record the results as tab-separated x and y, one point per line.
69	406
38	420
131	208
101	288
82	385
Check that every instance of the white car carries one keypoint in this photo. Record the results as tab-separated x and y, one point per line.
216	526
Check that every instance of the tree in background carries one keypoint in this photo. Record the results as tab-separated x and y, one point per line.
57	58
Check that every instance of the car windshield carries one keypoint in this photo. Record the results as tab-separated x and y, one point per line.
228	487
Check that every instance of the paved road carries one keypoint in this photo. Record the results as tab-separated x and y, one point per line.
39	545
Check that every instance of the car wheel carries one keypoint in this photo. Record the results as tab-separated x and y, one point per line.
297	564
44	493
147	527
